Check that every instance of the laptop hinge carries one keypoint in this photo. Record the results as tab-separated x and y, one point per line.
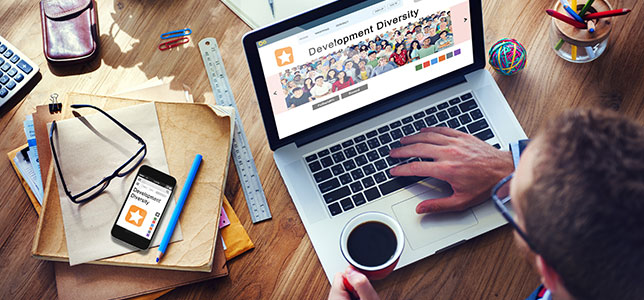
362	115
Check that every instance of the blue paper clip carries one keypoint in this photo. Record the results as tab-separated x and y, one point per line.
176	33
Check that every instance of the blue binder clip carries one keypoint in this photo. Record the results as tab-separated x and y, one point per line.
176	33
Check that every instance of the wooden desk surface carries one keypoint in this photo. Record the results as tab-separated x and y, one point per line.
284	265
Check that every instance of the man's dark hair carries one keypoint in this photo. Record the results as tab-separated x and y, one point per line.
584	211
297	89
319	77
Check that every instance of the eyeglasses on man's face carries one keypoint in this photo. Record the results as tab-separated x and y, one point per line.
501	196
123	170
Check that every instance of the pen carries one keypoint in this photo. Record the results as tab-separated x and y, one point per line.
270	2
573	14
177	209
565	18
586	7
606	14
353	294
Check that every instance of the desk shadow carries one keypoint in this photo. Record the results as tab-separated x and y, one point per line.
20	95
131	17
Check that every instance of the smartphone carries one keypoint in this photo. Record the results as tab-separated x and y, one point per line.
144	206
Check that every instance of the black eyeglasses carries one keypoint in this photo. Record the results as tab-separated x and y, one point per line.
123	170
501	196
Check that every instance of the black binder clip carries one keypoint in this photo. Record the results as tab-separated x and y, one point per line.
55	106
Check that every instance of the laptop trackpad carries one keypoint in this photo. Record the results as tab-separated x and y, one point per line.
422	230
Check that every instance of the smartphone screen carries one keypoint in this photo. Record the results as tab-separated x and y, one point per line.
144	207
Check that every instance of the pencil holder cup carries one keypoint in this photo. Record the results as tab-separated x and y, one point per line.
580	45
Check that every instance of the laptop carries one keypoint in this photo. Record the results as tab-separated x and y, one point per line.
337	91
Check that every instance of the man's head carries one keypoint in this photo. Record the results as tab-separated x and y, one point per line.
297	92
319	80
579	196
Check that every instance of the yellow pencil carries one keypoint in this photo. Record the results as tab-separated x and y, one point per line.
573	52
573	49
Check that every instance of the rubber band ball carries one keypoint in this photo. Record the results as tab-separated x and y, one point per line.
508	56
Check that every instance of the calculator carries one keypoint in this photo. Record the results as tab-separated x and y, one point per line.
16	70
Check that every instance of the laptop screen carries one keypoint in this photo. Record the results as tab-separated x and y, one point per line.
358	56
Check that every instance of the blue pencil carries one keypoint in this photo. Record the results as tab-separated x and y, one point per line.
177	209
573	14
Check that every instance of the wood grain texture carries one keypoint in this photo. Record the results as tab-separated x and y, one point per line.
283	265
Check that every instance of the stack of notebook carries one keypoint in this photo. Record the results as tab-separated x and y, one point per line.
199	256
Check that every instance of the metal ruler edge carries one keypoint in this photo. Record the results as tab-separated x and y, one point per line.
246	168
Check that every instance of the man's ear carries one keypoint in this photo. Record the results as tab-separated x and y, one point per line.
549	277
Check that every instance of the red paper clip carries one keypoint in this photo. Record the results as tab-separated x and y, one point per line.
173	43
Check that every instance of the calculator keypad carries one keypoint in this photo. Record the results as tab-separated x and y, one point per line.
15	70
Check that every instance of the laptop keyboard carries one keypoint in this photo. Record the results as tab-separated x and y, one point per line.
356	171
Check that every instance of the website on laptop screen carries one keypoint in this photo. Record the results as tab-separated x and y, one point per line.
365	53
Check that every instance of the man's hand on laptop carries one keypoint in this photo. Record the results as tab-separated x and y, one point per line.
360	283
471	166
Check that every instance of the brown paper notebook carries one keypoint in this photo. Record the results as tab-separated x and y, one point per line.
41	118
186	129
109	282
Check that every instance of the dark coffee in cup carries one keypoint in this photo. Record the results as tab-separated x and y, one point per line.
372	243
